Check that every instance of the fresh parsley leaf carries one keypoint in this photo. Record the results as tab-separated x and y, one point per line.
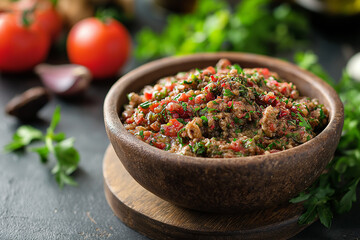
228	93
309	61
168	147
141	133
181	120
204	120
335	190
325	215
43	153
253	26
23	136
67	157
55	120
184	106
304	123
237	67
199	149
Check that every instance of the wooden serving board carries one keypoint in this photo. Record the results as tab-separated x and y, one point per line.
157	219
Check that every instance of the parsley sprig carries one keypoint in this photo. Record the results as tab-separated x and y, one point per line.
62	148
253	26
304	123
335	191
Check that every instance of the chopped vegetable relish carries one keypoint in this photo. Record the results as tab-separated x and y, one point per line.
223	111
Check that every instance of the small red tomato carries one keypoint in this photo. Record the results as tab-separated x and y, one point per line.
21	47
102	47
44	15
49	20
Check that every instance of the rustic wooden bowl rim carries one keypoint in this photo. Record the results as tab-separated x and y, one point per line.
114	125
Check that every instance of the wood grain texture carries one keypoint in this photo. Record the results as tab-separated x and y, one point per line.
159	219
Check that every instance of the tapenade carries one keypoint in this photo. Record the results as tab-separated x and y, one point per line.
223	111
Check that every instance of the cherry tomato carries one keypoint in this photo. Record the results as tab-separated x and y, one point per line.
21	47
102	47
49	20
44	15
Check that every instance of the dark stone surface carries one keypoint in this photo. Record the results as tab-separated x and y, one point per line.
33	207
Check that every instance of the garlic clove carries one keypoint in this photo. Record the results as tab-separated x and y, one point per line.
66	79
353	67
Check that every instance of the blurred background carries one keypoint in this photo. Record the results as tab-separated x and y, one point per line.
322	36
164	28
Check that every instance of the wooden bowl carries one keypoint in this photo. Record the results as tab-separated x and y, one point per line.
223	184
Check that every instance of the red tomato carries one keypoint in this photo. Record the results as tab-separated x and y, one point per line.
183	97
45	15
49	20
172	128
101	47
21	47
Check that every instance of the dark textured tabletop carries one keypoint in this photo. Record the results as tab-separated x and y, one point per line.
33	207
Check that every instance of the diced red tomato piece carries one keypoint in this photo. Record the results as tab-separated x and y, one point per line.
129	120
173	106
237	146
155	126
250	83
160	145
211	69
169	86
148	95
293	109
139	119
183	97
145	110
158	87
283	113
213	78
172	127
265	72
273	82
153	106
147	134
175	123
272	127
201	98
210	96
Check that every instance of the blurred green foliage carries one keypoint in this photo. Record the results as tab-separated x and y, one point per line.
252	26
335	190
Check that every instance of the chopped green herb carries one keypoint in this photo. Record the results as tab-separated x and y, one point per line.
304	123
204	120
199	149
237	67
168	147
228	93
335	190
184	106
181	120
146	104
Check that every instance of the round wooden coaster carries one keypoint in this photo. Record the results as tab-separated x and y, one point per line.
157	219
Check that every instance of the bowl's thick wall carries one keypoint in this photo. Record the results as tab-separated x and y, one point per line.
218	184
